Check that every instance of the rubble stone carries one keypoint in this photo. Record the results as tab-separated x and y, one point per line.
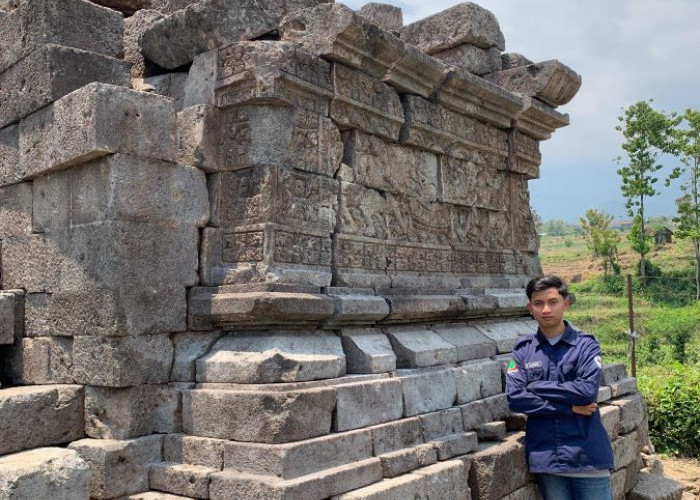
472	58
625	450
654	487
632	411
119	467
53	473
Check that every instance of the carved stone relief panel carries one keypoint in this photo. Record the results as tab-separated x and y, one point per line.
525	155
473	181
524	231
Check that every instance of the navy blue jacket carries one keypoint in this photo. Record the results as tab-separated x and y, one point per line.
544	381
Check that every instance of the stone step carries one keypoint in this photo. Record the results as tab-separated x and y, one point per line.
40	415
154	495
44	473
182	479
654	487
232	485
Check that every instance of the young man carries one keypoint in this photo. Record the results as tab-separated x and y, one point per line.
553	378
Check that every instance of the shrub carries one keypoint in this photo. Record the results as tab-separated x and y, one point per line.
673	398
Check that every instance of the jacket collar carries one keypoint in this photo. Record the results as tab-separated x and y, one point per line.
571	335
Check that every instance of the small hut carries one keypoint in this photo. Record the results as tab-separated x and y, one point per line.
663	236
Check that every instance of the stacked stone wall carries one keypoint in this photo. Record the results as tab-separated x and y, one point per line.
269	251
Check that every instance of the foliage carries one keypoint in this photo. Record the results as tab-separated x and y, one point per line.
688	218
648	135
557	227
602	241
673	398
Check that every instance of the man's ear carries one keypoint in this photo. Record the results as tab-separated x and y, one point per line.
567	302
529	306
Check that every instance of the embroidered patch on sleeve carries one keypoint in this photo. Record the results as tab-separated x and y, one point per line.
512	367
598	361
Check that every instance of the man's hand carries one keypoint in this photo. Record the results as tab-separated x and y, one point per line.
586	410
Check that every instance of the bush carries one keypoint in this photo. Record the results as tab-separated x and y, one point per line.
673	398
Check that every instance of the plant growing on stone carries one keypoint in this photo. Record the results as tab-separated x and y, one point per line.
649	134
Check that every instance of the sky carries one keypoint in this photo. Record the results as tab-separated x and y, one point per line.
626	51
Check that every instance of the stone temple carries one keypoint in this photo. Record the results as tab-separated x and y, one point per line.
271	250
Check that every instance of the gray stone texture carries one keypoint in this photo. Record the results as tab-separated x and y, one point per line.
655	487
527	492
477	380
124	413
610	416
45	473
154	495
207	24
463	23
189	347
293	460
260	416
632	412
94	121
492	431
119	467
513	60
551	82
352	309
505	333
487	479
185	479
455	445
367	350
394	436
134	27
418	347
397	488
627	385
122	361
446	480
41	360
49	73
35	416
486	410
428	391
194	450
469	341
11	316
75	23
273	357
228	485
15	209
612	373
387	17
362	404
441	423
9	155
403	461
625	450
472	58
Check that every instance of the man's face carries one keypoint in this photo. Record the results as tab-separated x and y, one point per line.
547	307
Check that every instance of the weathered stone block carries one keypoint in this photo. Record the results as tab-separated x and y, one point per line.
387	17
204	25
441	423
362	309
229	485
367	351
41	361
400	462
625	450
261	416
154	495
632	412
293	460
123	413
455	444
405	433
51	72
365	103
94	121
189	347
492	431
514	60
612	373
119	467
446	480
36	416
429	391
368	403
477	180
527	492
134	27
610	416
9	155
195	450
335	32
11	316
505	333
470	342
623	386
551	82
123	361
472	58
282	356
52	473
402	487
463	23
105	312
75	23
486	478
15	209
187	479
418	347
477	380
655	487
604	394
480	412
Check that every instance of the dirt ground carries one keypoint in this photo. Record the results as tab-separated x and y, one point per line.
686	471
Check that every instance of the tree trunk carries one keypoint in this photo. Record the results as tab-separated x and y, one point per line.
642	263
696	245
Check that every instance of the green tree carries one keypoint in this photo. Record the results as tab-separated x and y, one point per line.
556	227
648	135
688	218
602	241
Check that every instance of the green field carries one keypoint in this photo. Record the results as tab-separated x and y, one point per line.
667	324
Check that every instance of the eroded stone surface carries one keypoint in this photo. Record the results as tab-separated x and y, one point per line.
388	17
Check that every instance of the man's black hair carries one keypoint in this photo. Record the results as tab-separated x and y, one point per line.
543	282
